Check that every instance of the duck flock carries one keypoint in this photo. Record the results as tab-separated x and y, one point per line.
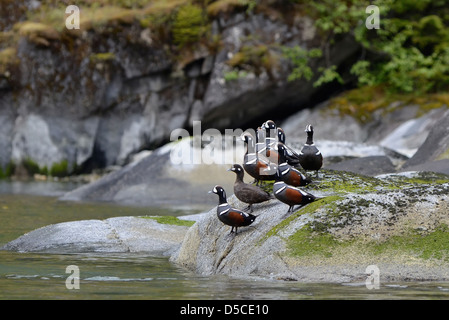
268	158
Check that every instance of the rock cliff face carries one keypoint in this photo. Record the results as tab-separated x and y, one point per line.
94	97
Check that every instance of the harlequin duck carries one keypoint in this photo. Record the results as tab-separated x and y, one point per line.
260	138
246	192
228	215
255	164
266	141
288	174
310	157
291	156
291	195
270	128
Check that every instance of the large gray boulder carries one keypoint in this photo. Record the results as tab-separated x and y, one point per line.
360	222
121	234
434	151
157	179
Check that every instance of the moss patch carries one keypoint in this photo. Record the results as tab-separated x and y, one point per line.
189	26
100	57
361	103
308	209
8	58
341	182
306	242
225	6
412	245
347	230
423	245
171	220
417	179
444	155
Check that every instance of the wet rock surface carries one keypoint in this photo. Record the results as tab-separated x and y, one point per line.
121	234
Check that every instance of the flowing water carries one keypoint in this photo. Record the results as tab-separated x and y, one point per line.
139	276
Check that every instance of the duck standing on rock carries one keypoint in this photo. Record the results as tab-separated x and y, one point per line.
291	156
266	141
310	157
228	215
255	164
291	195
245	192
289	174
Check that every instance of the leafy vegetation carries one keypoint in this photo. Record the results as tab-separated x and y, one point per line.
189	25
60	169
409	53
7	171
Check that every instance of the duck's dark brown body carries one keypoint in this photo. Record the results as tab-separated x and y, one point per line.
255	164
231	216
310	157
287	173
291	195
245	192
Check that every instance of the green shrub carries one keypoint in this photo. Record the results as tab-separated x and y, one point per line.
31	166
7	171
408	54
60	169
189	26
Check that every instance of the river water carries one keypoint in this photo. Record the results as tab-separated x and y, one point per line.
27	206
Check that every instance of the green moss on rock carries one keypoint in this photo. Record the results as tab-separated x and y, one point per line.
418	243
308	209
101	57
189	26
307	242
171	220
